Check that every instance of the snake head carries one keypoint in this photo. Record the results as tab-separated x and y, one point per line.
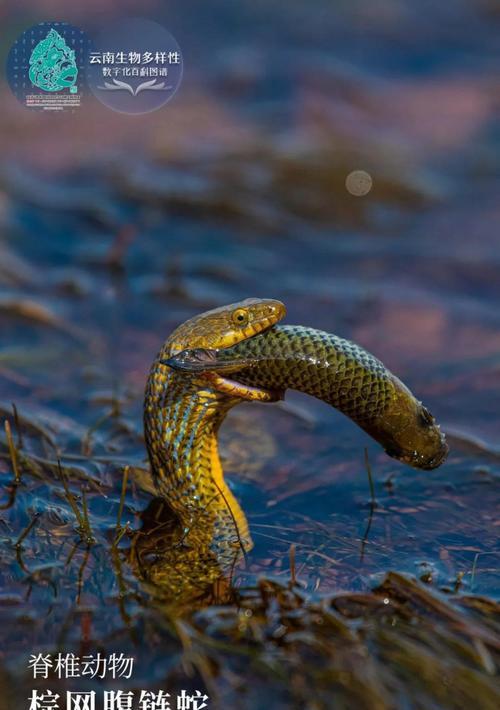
225	326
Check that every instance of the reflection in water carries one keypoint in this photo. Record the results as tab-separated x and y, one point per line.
181	571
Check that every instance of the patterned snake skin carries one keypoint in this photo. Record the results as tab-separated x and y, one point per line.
185	405
182	416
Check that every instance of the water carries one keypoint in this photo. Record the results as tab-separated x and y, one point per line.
101	260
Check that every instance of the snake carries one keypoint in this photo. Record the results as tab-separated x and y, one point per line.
242	352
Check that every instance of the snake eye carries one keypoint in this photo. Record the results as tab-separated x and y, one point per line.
240	317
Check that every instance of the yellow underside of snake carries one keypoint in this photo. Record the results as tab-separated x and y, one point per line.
239	353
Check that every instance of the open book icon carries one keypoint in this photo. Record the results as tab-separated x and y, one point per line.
150	85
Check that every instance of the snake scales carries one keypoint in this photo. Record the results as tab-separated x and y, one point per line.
238	352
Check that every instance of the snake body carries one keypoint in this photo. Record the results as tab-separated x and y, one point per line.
182	416
189	394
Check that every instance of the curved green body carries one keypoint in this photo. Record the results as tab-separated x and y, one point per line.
319	364
338	372
210	364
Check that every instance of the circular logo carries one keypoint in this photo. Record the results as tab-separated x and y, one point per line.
135	66
46	65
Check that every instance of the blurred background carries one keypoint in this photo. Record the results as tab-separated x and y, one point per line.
115	228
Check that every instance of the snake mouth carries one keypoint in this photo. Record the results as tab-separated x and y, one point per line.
203	360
